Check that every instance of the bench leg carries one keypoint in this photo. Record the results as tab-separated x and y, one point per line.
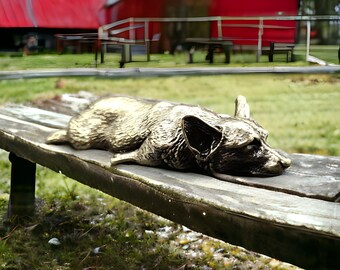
227	49
126	55
102	53
22	195
191	55
210	55
271	57
271	52
148	50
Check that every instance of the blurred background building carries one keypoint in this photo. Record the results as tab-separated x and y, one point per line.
33	24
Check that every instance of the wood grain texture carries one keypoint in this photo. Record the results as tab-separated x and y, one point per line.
263	214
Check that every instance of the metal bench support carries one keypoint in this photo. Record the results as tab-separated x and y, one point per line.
212	44
22	195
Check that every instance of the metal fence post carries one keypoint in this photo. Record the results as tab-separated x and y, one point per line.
308	40
219	28
259	40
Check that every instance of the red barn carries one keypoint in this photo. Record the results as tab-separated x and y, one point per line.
48	17
246	31
19	18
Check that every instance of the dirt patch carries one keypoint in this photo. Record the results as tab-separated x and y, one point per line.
316	79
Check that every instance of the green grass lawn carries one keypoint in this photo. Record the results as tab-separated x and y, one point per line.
112	61
301	113
8	62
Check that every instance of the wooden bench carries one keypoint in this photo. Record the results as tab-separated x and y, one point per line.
82	42
294	217
213	43
127	48
279	48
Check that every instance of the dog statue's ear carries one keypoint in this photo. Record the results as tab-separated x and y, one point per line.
242	109
201	138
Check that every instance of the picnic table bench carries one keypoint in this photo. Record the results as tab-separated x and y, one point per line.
294	217
279	48
81	42
213	43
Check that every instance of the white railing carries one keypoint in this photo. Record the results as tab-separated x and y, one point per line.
108	31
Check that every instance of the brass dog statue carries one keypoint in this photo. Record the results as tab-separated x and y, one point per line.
178	136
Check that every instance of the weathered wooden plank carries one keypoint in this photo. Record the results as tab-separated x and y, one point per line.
35	115
68	104
288	227
310	175
206	186
35	135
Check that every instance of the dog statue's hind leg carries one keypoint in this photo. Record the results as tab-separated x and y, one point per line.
146	154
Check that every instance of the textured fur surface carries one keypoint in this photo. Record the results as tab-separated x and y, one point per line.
179	136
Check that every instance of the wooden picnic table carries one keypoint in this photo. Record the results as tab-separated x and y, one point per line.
213	43
82	42
294	217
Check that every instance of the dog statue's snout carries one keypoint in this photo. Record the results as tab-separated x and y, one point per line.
285	161
278	163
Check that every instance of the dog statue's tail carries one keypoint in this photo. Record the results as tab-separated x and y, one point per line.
58	137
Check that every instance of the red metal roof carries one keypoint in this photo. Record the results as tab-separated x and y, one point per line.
81	14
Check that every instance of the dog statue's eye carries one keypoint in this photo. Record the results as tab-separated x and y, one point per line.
253	145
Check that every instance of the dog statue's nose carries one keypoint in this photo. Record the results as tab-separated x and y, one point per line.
285	162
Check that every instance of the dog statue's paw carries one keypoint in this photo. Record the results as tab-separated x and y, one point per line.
116	159
123	158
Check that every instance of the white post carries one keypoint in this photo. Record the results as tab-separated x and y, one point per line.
146	39
259	40
219	28
146	30
132	35
308	40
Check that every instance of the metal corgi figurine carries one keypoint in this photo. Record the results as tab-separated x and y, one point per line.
177	136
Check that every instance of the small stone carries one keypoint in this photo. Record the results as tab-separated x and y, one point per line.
205	267
185	247
96	251
54	242
165	232
185	229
